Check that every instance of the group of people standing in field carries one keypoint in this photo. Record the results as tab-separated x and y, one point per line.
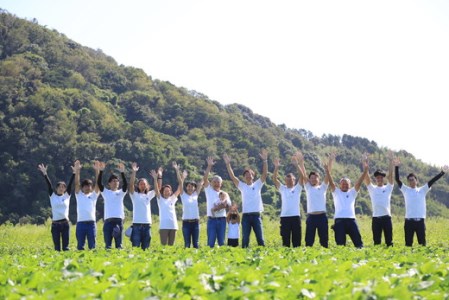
218	202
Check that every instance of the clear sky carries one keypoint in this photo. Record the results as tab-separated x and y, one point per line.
375	69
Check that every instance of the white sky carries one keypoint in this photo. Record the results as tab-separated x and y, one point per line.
375	69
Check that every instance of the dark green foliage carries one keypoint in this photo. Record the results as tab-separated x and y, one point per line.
60	101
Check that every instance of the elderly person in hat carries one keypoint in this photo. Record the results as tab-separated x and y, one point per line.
216	220
380	195
344	202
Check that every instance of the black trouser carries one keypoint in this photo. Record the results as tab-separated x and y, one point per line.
291	230
343	226
379	224
415	225
233	242
60	233
317	223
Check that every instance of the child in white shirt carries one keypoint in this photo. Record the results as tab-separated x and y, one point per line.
233	220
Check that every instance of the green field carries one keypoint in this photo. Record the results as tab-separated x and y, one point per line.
30	269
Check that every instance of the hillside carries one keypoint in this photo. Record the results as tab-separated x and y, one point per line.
61	101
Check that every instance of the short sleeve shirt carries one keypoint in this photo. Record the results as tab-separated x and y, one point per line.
86	206
251	196
190	209
167	212
415	201
290	198
60	206
316	197
142	207
380	199
344	203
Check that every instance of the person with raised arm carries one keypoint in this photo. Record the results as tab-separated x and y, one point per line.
252	204
190	211
344	202
86	195
216	221
290	197
114	210
59	202
141	196
166	200
380	195
316	207
415	204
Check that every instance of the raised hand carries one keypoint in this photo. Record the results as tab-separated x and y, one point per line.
160	170
96	165
175	166
226	159
76	166
121	167
365	163
277	162
184	174
153	174
332	155
264	154
99	166
445	168
365	156
299	156
396	161
43	169
134	167
210	161
365	160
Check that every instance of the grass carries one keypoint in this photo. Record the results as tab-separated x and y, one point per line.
30	269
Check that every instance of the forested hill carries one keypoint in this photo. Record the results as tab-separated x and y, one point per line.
61	101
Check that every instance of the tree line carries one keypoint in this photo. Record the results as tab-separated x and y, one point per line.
61	101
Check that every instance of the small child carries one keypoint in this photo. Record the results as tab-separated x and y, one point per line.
233	219
221	203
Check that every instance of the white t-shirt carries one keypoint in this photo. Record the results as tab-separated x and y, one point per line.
167	212
142	207
113	203
316	197
290	198
251	196
415	201
344	203
86	206
190	209
212	197
60	206
380	199
233	230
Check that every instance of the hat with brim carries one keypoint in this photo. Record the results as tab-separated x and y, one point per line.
379	173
